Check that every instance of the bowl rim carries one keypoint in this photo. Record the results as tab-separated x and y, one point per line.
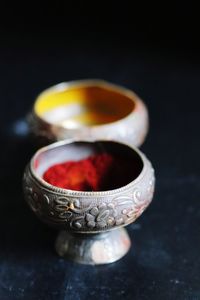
66	192
85	83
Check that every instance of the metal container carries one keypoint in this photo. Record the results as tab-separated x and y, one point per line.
91	223
89	109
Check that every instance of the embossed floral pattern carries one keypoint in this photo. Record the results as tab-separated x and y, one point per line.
99	217
76	211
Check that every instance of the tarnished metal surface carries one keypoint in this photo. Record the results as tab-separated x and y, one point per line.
93	249
88	212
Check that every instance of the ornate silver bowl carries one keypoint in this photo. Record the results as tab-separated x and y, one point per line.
89	109
91	223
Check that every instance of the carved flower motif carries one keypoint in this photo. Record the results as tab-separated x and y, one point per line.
99	216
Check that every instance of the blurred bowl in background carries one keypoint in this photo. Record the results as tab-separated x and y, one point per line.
89	109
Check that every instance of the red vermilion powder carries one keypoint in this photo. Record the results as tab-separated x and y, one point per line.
98	172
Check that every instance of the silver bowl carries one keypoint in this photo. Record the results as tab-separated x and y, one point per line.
89	109
91	223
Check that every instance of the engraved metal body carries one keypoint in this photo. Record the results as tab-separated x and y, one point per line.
88	218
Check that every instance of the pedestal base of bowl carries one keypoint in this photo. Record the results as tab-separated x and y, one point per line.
93	249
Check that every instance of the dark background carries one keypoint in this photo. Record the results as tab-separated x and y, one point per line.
152	49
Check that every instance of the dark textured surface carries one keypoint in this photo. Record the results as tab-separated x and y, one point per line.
164	259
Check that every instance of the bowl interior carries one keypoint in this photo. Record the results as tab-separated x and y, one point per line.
83	105
129	168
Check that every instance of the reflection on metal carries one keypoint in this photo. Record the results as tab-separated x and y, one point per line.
89	109
88	218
